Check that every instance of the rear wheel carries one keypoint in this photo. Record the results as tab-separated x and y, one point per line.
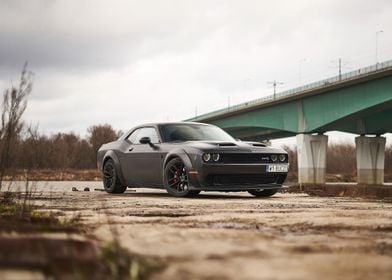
111	182
263	193
176	179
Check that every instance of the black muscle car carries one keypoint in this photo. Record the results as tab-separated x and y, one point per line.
185	158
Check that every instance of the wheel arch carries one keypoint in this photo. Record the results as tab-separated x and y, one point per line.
181	154
189	165
113	156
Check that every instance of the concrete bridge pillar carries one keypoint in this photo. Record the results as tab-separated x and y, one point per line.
312	158
370	160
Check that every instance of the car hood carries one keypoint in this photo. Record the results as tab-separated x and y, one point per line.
235	146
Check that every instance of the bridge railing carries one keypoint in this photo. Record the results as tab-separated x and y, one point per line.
300	90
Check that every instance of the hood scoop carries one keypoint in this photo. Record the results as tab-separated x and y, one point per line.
259	145
228	144
256	144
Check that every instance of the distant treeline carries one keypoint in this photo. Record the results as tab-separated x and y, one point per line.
68	150
61	150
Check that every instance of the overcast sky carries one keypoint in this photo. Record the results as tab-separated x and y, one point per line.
130	62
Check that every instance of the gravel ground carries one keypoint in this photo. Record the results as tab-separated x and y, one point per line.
236	236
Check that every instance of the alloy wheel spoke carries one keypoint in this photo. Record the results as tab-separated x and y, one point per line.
173	169
177	177
175	183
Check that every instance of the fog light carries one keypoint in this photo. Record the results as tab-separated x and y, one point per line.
282	157
274	157
215	157
206	157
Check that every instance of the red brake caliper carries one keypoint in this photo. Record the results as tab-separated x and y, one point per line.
177	176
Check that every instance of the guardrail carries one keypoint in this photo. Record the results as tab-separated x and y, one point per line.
300	90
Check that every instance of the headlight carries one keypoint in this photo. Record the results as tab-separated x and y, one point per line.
282	157
215	157
274	157
206	157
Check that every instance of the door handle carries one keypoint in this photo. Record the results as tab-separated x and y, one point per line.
130	149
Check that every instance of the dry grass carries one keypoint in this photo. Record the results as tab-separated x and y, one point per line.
68	174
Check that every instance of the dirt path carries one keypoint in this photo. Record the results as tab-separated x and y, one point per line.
236	236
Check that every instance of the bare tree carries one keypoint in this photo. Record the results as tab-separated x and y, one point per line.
100	134
12	108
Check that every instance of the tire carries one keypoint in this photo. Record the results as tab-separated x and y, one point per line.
176	179
263	193
111	182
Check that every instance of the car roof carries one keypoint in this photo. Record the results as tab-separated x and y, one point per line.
164	123
158	124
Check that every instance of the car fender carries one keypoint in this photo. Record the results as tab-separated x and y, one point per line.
180	153
186	159
112	155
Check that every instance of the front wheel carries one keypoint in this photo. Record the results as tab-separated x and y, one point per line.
263	193
176	179
111	182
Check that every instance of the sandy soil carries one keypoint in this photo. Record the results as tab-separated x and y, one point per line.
236	236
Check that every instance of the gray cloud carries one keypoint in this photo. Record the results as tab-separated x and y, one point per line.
157	60
102	34
92	34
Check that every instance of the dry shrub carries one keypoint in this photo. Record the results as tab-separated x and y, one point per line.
341	159
13	105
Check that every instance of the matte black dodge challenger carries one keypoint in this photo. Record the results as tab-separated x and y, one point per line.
186	158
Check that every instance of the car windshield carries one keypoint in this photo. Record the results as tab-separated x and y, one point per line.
193	132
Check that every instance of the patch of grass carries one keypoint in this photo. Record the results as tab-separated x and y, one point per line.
24	218
10	210
123	265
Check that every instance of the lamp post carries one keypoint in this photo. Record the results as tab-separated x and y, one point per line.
274	83
339	64
377	33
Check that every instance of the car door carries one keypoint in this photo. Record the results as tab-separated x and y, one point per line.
141	163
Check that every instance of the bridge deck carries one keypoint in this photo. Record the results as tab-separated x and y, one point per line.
359	75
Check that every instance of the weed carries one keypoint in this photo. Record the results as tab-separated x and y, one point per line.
123	265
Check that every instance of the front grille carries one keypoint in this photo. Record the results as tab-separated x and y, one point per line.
242	179
246	158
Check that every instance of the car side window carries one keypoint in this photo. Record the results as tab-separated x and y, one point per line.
146	132
132	138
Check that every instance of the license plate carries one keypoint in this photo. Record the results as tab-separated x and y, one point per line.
277	168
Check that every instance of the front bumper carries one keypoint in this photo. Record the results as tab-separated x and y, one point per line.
235	177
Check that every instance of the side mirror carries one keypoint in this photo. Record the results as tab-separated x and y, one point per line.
145	140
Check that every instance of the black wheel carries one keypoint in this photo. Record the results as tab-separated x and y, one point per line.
111	182
176	179
263	193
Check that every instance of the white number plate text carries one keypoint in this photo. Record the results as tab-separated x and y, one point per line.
277	168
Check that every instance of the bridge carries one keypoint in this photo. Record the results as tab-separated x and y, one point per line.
358	102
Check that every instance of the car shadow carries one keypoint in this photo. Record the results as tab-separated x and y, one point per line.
203	195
